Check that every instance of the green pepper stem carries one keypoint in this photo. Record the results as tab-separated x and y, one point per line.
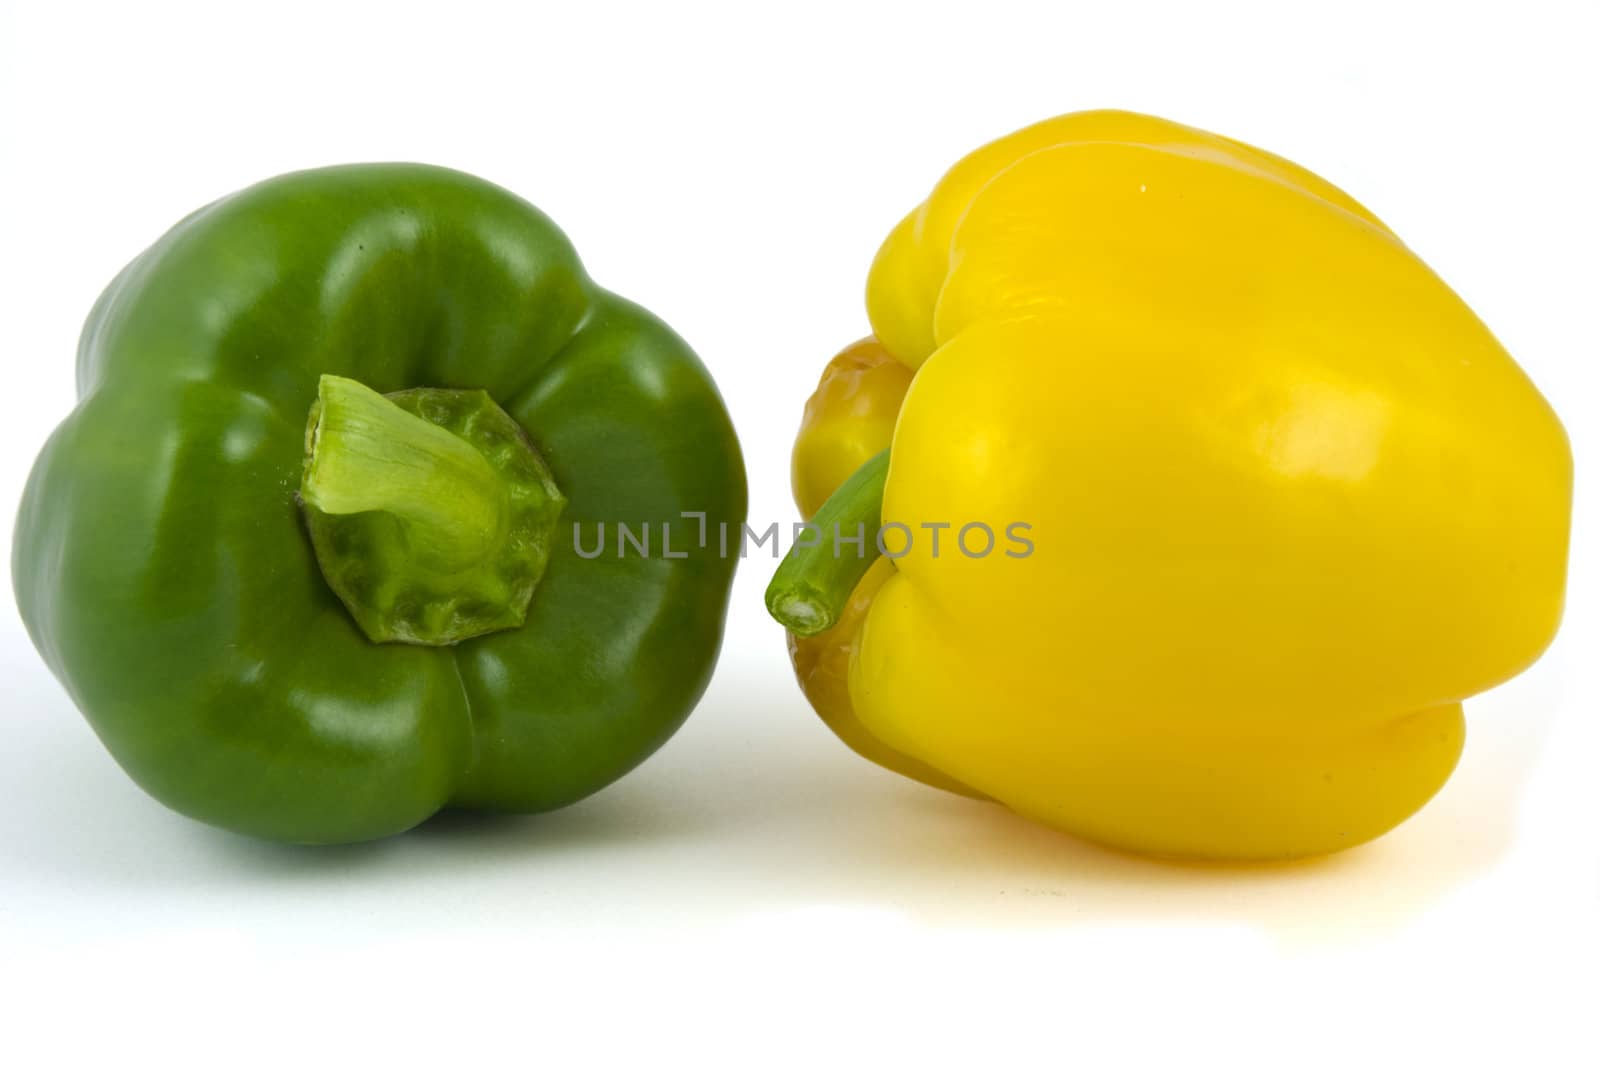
813	583
367	454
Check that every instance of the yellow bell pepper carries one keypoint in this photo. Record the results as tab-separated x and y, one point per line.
1265	501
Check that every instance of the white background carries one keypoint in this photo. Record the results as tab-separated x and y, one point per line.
754	894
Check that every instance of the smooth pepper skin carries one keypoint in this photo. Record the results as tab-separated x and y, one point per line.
1290	501
162	562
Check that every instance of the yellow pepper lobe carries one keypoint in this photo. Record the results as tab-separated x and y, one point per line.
848	420
1290	501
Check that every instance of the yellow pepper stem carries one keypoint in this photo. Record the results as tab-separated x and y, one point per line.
813	583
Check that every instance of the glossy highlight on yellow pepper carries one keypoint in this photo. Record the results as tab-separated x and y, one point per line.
1291	502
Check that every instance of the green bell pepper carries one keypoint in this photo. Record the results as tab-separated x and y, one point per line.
307	553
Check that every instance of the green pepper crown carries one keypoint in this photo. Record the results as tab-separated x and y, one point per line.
430	511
